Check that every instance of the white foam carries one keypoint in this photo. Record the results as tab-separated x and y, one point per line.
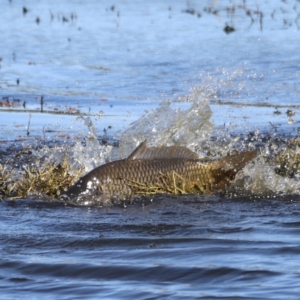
168	126
261	178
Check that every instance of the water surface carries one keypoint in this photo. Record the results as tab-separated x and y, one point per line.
172	247
102	65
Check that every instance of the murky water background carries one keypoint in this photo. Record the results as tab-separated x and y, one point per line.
131	61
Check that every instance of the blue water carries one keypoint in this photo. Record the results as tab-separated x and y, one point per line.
104	58
112	61
172	247
139	51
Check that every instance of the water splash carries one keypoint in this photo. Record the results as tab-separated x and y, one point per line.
185	121
86	154
260	178
166	125
90	154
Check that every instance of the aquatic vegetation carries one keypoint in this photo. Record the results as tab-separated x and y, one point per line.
170	183
233	13
6	186
288	160
272	172
51	179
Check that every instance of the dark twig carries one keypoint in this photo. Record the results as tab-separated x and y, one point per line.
28	132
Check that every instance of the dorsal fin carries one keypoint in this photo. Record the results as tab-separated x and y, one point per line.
143	152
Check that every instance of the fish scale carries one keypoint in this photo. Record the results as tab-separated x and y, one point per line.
115	179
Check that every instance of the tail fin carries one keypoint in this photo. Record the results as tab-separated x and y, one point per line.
237	161
226	168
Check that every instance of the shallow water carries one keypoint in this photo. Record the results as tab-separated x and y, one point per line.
172	247
114	63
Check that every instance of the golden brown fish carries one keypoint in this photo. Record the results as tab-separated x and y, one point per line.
146	165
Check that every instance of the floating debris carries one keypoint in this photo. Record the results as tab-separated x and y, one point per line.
192	11
277	112
6	102
229	29
290	113
71	110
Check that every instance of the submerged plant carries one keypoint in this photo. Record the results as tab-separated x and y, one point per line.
51	179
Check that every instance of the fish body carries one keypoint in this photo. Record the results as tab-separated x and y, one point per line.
146	165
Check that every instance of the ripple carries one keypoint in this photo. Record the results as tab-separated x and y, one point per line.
229	230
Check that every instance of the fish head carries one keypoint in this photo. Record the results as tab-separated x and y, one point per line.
84	188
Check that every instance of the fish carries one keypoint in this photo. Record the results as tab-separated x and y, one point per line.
146	165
